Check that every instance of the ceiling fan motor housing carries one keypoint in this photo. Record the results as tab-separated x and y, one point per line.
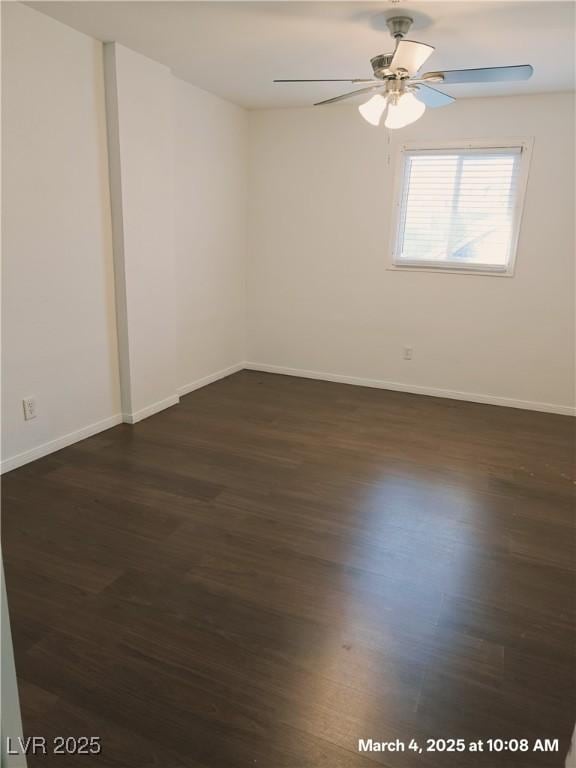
381	64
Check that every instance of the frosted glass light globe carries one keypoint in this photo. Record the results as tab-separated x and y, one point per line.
406	111
373	109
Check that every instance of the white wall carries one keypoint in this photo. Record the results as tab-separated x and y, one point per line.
321	298
210	146
58	319
140	135
174	316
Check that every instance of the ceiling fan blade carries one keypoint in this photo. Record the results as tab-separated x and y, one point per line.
410	56
352	93
332	80
431	97
483	75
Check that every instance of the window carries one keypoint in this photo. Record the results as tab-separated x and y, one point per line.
459	208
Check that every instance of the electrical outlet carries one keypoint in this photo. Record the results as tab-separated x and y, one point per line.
29	405
408	352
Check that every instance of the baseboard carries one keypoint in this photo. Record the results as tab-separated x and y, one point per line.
61	442
132	418
129	418
210	379
413	389
150	410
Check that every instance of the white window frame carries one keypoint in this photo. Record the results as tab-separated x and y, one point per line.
402	265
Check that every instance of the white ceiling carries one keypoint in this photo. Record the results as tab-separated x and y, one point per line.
236	49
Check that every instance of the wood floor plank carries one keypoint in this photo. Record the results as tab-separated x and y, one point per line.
279	567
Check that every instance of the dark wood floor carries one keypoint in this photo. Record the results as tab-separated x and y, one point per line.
278	567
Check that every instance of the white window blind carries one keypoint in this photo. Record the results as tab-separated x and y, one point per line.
459	208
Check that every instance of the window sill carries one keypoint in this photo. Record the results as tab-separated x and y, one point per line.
450	270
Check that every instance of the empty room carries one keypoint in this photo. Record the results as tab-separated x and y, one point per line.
288	362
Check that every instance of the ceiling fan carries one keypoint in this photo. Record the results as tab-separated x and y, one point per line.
395	86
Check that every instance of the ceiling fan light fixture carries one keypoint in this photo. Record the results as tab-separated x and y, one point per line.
406	110
398	74
373	109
